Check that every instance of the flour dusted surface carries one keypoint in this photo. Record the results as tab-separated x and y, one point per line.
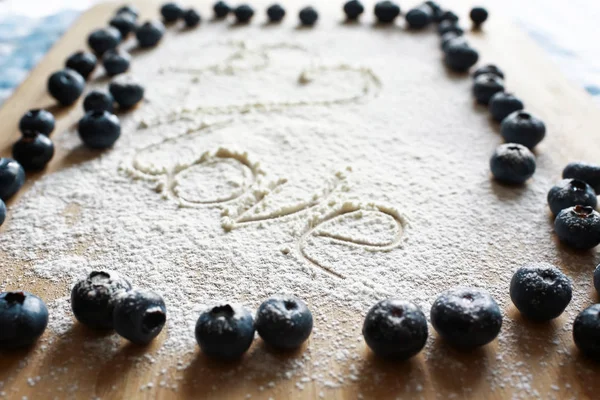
342	164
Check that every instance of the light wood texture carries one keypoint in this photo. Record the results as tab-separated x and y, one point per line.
68	370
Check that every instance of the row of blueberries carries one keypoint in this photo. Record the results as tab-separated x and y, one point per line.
465	318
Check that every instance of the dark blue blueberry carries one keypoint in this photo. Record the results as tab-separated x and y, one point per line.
126	91
353	9
243	13
436	11
460	57
540	291
191	18
275	13
466	317
12	177
449	16
597	278
2	212
124	22
82	62
23	318
171	12
578	227
284	322
512	163
485	86
449	26
221	9
308	16
116	62
478	15
589	173
503	104
395	329
37	120
128	9
149	33
452	39
93	299
571	192
523	128
386	11
586	331
418	18
99	129
66	86
104	39
33	151
488	69
225	331
98	100
139	315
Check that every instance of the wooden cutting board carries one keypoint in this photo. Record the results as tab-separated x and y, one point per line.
63	375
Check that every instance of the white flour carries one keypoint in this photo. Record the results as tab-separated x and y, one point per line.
341	164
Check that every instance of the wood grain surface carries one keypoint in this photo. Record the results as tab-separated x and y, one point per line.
66	371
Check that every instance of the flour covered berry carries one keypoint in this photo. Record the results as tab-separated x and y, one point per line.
284	322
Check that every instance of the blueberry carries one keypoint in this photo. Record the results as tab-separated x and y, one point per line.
171	12
82	62
589	173
191	18
37	120
353	9
225	331
93	299
386	11
503	104
512	163
23	317
452	39
66	86
449	16
284	322
139	315
104	39
124	22
478	15
488	69
436	11
540	291
128	9
395	329
449	26
460	57
99	129
586	331
149	33
12	177
243	13
578	227
275	13
308	16
98	100
221	9
597	278
2	212
33	151
571	192
418	18
523	128
116	62
126	91
485	86
466	317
